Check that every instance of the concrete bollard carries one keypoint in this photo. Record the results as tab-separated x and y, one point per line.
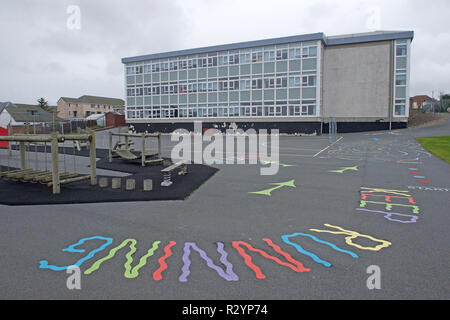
148	184
116	183
103	182
130	184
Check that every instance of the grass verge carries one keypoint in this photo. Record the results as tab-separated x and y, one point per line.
439	146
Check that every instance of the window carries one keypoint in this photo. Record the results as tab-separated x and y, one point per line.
401	51
172	66
245	58
130	70
147	91
400	110
269	83
281	82
269	55
155	67
223	60
400	80
234	85
173	88
147	68
309	81
256	83
245	84
202	62
282	54
309	52
233	59
139	69
183	64
295	53
212	86
212	61
155	90
202	86
183	87
165	89
164	66
294	81
192	63
257	56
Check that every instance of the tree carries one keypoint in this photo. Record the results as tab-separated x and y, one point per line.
42	103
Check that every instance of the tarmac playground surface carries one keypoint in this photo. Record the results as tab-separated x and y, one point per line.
308	232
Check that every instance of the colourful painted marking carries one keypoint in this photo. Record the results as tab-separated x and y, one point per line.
228	274
300	249
129	271
423	181
43	264
351	235
389	215
388	191
343	169
294	264
162	261
268	192
387	198
389	206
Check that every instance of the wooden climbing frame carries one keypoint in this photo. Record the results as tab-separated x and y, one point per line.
51	178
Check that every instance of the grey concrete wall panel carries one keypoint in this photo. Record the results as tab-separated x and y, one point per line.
356	80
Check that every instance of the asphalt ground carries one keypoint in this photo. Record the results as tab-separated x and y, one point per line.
413	264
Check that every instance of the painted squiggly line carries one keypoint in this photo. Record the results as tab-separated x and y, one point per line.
162	261
387	198
296	266
43	264
228	274
129	271
389	206
388	216
300	249
353	235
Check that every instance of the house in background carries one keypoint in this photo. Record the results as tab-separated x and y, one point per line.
85	106
25	117
423	103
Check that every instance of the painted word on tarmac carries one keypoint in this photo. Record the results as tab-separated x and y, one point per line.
243	248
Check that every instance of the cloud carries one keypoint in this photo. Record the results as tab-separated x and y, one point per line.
40	56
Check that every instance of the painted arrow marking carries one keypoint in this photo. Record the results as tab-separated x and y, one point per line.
343	169
278	185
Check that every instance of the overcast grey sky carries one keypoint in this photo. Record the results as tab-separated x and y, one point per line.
41	57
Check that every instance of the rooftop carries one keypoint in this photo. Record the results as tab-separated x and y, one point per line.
328	41
95	100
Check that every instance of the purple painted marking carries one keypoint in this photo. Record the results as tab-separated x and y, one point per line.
388	216
228	274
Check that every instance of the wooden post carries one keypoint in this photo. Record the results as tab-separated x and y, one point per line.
110	147
143	150
22	155
93	158
55	163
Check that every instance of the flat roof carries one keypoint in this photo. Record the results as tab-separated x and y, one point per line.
328	41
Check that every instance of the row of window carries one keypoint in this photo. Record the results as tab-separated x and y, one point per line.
224	85
225	111
401	53
223	60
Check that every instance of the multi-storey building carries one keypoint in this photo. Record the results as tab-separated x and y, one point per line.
295	84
